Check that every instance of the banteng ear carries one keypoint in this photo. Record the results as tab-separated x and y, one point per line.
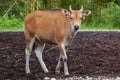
87	13
66	12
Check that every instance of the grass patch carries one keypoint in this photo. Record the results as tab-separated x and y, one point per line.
98	27
11	24
17	24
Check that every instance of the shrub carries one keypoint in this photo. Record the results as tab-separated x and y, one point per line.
10	24
115	11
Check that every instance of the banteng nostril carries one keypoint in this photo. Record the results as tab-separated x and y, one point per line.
76	27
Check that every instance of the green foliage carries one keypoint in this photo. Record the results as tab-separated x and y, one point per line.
11	24
108	17
117	2
17	24
115	15
105	13
4	5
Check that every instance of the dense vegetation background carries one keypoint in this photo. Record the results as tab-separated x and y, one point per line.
105	13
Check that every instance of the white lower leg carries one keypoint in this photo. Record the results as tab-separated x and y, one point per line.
65	65
66	69
28	53
64	57
38	52
58	65
27	61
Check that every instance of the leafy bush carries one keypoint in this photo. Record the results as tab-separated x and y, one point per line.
107	17
105	14
115	11
10	24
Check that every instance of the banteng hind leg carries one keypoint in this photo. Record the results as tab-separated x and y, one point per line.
28	51
38	50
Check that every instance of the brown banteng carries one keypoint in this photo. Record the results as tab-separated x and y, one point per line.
54	27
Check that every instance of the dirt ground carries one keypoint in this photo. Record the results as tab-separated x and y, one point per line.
90	54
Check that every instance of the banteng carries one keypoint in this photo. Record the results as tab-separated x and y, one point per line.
53	27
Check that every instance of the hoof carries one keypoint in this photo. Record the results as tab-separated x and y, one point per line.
46	71
27	72
67	74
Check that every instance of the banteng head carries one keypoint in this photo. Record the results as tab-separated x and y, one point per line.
76	16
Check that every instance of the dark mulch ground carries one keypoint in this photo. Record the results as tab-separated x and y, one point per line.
90	54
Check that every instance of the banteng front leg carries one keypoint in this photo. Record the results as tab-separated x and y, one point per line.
58	64
64	57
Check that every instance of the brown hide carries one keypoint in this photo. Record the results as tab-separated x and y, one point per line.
46	26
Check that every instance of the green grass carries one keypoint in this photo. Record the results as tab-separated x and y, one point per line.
17	24
98	27
11	24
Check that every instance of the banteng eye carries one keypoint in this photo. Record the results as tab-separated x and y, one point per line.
81	17
71	18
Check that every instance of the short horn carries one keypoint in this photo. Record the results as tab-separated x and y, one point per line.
81	8
70	8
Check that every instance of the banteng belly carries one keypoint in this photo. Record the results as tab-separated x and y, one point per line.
46	39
